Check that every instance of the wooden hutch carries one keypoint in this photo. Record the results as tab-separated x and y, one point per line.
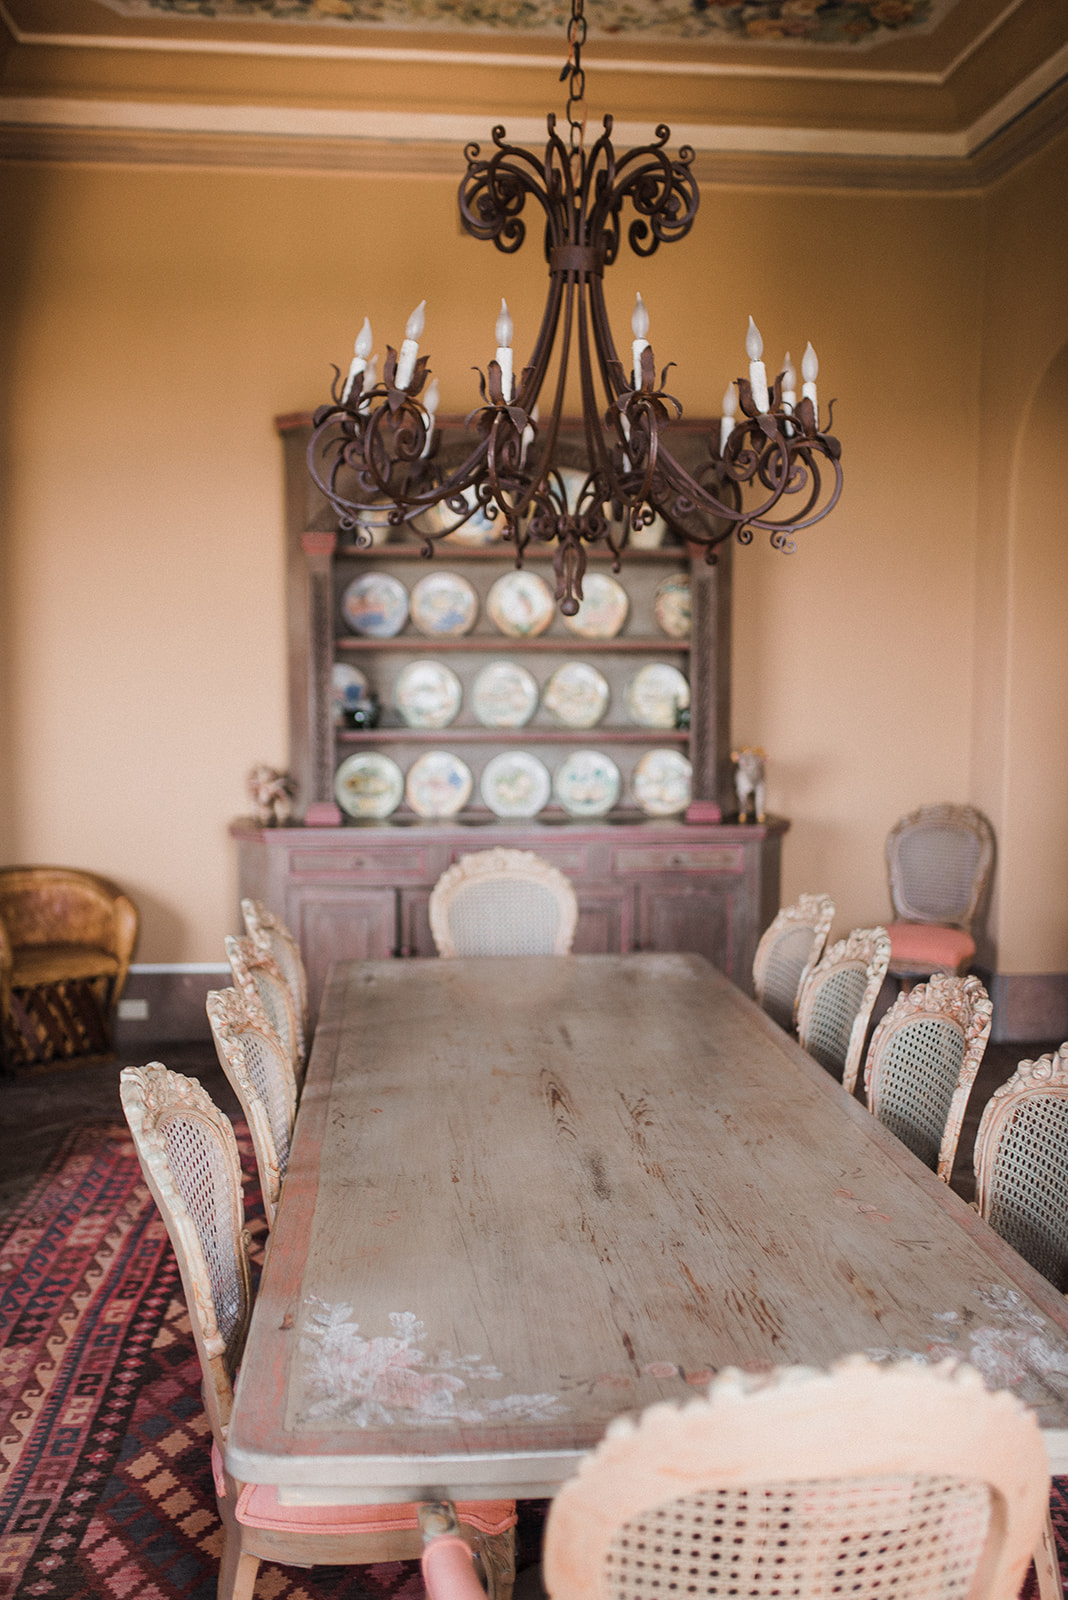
357	890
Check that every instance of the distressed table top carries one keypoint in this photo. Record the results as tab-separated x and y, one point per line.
528	1193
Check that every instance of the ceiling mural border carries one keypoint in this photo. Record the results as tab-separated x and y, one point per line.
795	25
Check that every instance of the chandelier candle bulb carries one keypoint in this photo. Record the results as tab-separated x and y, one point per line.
503	332
362	347
370	379
789	382
809	371
639	327
409	350
726	421
758	378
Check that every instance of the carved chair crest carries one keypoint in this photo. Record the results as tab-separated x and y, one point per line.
251	1055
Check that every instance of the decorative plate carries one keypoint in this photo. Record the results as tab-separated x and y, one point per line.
375	605
587	784
521	605
671	605
603	610
369	786
349	688
655	693
662	783
427	694
515	784
576	695
504	695
438	784
444	603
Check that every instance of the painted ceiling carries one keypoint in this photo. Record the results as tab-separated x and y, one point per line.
846	25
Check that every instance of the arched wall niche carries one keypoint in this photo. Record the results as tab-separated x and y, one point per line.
1032	916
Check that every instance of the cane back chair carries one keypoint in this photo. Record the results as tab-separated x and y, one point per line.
1021	1164
272	938
502	903
939	860
787	952
66	939
922	1062
189	1156
901	1481
261	1075
835	1005
262	985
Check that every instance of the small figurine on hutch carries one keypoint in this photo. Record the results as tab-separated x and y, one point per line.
271	793
749	781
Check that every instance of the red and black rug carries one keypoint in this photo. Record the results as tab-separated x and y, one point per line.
105	1483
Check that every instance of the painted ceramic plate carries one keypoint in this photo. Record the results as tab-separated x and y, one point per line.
671	605
438	784
521	605
515	784
504	695
427	694
576	695
369	786
603	610
587	784
662	783
349	688
444	603
375	605
654	693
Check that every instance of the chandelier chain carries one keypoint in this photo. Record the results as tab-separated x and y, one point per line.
574	73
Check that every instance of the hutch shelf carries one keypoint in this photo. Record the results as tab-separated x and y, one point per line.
360	889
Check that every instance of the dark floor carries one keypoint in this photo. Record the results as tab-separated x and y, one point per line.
39	1108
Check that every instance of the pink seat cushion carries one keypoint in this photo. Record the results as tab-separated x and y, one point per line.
258	1507
927	947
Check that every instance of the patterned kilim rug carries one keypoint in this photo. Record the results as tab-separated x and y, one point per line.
105	1484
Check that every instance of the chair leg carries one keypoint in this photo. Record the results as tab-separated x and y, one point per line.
1047	1564
238	1568
497	1551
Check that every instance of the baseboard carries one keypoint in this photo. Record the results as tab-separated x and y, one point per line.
1029	1006
165	1004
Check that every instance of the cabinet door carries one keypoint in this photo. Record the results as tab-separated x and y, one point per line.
341	925
605	922
689	916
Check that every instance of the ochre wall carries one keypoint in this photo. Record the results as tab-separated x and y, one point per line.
157	320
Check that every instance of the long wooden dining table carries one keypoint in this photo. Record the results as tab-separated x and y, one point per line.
526	1194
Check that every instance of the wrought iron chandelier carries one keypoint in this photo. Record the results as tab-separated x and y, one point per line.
773	467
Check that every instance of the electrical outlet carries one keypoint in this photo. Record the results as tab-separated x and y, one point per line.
133	1010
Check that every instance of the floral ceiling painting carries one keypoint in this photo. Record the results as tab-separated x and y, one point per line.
838	24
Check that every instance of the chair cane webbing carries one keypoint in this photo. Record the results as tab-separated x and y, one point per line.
891	1538
787	960
205	1182
938	867
833	1015
265	1070
504	918
918	1077
1028	1183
